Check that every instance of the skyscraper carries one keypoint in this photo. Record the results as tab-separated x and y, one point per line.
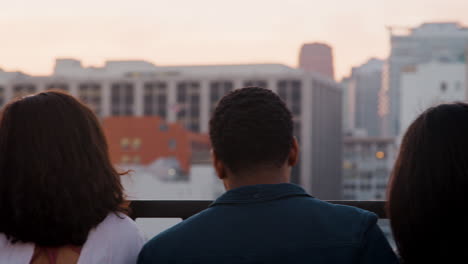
318	58
362	89
428	42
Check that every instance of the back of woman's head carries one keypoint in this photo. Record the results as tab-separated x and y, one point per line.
56	179
429	186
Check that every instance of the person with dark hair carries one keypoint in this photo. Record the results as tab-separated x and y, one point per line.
60	198
262	218
428	187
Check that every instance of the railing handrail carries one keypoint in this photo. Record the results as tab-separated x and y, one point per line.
186	208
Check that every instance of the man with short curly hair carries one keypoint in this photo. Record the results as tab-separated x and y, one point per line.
262	218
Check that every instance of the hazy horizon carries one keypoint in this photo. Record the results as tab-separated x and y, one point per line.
206	31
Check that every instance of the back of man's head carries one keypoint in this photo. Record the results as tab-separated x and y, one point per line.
251	127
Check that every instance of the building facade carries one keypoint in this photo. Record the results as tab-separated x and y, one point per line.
367	166
187	95
362	89
317	58
428	42
427	85
143	140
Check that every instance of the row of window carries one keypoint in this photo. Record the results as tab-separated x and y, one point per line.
130	143
364	186
365	154
444	86
127	159
155	97
135	144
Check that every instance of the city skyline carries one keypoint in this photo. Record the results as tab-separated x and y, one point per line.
205	32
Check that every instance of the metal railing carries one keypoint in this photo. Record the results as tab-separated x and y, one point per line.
185	209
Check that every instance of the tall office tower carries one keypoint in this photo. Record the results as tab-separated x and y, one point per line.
363	87
428	42
318	58
187	95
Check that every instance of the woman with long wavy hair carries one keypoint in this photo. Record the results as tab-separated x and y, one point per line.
61	200
429	188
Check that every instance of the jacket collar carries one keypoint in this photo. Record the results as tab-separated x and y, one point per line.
259	193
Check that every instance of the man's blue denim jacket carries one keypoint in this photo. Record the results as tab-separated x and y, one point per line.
277	223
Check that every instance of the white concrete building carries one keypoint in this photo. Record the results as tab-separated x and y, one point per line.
413	46
188	95
427	85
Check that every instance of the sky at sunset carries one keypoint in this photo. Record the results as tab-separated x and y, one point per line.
172	32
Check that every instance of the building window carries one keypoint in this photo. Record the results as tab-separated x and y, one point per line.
124	143
155	99
443	87
20	90
365	187
172	144
188	104
380	155
163	127
136	160
218	89
90	94
122	99
458	85
136	143
125	159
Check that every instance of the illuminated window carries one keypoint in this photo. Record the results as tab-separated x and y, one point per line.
380	155
124	143
125	159
347	165
136	143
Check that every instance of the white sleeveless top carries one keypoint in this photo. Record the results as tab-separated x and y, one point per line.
116	240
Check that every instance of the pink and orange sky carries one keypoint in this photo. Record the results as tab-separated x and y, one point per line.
171	32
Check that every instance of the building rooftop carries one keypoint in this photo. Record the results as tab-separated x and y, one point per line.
430	29
66	67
